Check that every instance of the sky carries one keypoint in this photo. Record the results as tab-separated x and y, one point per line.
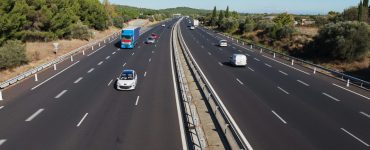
249	6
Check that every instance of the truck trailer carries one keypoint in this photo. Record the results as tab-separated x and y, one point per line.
129	36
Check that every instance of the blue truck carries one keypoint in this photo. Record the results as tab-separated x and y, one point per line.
129	36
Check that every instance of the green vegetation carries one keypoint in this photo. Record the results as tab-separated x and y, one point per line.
12	53
344	41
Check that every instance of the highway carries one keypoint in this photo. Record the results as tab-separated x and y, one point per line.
77	107
279	106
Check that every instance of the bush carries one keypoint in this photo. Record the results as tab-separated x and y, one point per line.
12	54
284	32
343	41
229	25
35	36
264	24
80	31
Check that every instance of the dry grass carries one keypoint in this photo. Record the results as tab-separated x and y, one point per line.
309	31
42	52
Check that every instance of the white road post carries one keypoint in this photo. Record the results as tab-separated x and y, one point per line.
71	58
243	43
261	50
36	78
274	55
251	46
104	40
347	82
83	52
55	66
314	70
292	62
1	96
237	41
99	44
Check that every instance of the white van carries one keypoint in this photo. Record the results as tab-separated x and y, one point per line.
238	60
222	43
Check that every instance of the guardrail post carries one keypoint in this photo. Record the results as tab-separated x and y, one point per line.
1	96
314	70
347	83
36	78
71	58
226	127
274	55
55	66
292	62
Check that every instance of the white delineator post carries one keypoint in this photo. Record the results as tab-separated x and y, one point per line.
292	62
347	83
99	44
55	66
314	70
71	58
1	96
83	52
274	55
92	47
36	78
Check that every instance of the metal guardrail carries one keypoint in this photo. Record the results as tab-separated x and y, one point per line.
190	119
39	68
232	132
315	67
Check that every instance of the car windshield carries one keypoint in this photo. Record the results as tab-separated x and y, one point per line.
126	37
150	38
127	75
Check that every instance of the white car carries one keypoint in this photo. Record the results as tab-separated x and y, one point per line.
222	43
192	28
127	80
238	60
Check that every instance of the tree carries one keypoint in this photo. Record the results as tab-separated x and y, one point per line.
366	10
214	15
220	18
350	14
229	25
360	11
247	26
12	54
284	19
343	41
227	12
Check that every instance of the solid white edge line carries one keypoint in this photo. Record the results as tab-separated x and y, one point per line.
287	65
365	114
282	90
60	94
304	83
249	146
96	50
277	115
351	91
137	100
30	118
358	139
178	106
283	72
82	119
2	141
54	76
110	82
78	80
333	98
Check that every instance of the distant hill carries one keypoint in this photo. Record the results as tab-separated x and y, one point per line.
185	11
135	11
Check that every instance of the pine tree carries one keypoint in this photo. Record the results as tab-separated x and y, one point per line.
227	13
214	15
220	18
360	11
365	10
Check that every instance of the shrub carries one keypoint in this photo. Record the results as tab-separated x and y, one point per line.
229	25
343	41
33	36
80	31
12	54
